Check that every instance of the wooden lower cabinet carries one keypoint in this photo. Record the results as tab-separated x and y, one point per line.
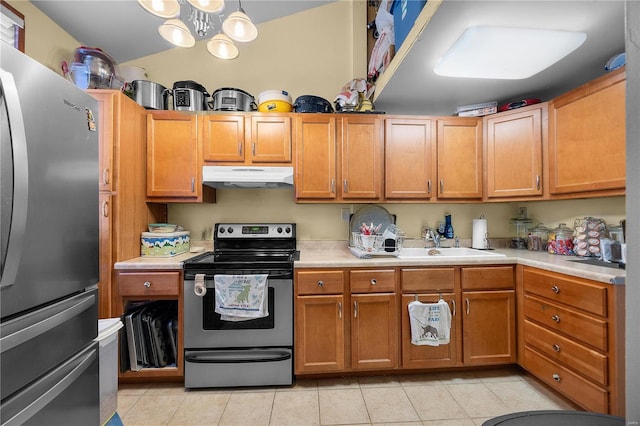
374	331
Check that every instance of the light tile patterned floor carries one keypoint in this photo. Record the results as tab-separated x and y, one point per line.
430	399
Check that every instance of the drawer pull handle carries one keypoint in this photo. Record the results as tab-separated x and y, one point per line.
556	377
340	310
555	289
556	347
355	309
556	318
467	302
320	283
374	281
453	303
147	284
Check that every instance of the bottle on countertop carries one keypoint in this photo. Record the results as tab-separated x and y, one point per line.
448	227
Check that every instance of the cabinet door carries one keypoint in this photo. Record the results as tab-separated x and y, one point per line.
319	334
460	158
410	157
423	356
315	138
223	137
106	256
587	137
361	157
106	135
514	152
173	169
489	327
270	138
374	331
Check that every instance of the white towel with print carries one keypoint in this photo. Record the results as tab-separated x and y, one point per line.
241	297
430	323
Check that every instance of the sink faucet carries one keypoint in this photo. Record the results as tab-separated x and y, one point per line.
434	236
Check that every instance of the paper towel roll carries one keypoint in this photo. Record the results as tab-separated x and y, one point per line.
478	239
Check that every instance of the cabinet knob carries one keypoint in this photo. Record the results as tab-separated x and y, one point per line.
556	318
556	377
320	283
556	347
374	281
555	289
147	284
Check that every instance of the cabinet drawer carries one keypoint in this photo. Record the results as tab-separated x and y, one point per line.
427	279
149	283
495	277
591	331
320	282
574	292
372	281
585	361
585	393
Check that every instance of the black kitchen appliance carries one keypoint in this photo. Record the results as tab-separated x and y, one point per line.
189	96
255	352
311	103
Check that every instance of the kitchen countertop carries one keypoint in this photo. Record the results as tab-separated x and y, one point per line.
336	254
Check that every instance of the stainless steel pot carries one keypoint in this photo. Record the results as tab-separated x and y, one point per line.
150	95
230	99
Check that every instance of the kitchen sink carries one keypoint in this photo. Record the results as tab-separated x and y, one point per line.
424	253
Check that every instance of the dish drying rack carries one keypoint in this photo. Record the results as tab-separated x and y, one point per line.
366	246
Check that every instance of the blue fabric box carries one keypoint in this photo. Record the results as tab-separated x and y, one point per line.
404	14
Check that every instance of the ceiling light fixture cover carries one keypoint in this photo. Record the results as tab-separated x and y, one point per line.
176	32
208	6
222	47
239	27
163	8
506	53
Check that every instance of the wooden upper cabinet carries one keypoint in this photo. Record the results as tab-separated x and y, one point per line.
270	138
513	146
106	136
223	137
174	168
315	167
361	157
587	138
410	155
459	159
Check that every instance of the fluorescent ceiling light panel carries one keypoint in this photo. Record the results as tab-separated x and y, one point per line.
506	53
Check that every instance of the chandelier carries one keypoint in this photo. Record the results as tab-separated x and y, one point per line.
237	26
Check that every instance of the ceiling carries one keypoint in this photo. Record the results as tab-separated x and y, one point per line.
414	88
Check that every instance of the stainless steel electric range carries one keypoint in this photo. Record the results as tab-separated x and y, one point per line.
254	352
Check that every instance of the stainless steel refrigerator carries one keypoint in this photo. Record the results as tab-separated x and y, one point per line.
49	367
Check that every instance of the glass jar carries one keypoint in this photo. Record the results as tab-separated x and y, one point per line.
520	232
538	238
560	240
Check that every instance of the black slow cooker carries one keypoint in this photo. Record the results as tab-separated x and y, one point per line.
189	96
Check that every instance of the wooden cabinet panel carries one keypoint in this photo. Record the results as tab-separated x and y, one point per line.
320	282
223	137
270	138
424	356
575	292
514	143
410	158
374	331
372	281
107	106
361	157
566	381
315	168
495	277
319	334
459	158
591	331
489	327
587	137
149	284
106	255
589	363
427	279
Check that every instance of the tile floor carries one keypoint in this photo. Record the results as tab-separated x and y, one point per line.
431	399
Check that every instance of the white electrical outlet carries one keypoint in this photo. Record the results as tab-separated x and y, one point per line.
346	215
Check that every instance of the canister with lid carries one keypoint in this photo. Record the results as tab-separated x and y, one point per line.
560	240
538	237
519	232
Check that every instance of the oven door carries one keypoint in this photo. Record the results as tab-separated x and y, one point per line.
203	328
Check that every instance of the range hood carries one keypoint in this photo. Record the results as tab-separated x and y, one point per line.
247	177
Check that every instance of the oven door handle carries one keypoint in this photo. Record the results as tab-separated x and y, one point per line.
237	357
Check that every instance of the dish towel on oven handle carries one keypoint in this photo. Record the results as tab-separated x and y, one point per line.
430	323
241	297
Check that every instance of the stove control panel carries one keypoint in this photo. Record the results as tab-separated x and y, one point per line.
255	230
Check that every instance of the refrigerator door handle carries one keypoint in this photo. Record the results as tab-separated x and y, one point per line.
41	322
12	253
61	378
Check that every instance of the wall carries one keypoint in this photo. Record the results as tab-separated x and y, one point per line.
45	41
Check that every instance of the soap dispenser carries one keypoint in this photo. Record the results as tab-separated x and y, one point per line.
448	227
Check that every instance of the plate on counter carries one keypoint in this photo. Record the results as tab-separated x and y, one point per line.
371	213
